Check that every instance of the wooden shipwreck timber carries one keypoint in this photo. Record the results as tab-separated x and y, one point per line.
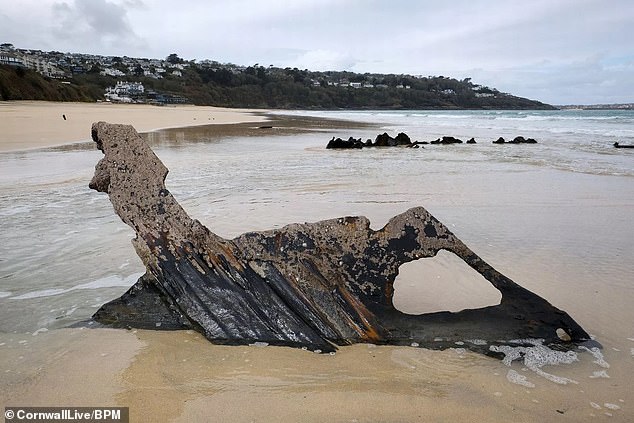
314	285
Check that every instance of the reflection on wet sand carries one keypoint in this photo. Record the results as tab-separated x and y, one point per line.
276	125
179	376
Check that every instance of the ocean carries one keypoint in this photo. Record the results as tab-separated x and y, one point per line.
556	217
573	140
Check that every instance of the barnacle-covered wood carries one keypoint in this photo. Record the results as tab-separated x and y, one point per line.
315	285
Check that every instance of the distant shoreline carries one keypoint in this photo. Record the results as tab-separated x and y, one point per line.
615	106
28	125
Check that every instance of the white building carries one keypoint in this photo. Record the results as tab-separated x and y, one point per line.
151	74
10	59
111	72
123	91
42	66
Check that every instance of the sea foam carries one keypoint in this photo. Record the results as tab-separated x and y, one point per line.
106	282
535	356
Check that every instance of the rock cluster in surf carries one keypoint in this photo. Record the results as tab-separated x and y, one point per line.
403	140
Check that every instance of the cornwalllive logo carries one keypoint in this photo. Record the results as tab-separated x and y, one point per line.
65	414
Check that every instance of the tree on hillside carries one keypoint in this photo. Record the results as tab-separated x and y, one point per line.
174	59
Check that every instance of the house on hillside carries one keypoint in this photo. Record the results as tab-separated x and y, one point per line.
42	66
10	60
124	92
111	72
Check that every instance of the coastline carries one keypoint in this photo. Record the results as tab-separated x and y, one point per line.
28	125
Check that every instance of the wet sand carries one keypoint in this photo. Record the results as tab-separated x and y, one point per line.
36	124
64	367
181	377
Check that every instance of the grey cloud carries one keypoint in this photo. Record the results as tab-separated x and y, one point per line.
588	81
104	17
323	60
100	22
543	49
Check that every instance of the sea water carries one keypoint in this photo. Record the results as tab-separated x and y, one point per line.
574	140
556	217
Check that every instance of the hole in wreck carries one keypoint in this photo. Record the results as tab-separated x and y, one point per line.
441	283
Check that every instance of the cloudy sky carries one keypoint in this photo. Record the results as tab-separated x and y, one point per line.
557	51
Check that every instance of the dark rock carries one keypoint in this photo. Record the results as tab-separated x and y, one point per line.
402	139
383	140
522	140
471	141
451	140
447	140
316	285
338	143
516	140
617	145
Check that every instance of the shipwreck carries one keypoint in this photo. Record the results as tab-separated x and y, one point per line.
312	285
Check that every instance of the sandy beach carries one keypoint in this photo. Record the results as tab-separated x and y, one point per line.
36	124
181	377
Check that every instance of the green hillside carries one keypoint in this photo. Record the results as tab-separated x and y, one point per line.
259	87
25	84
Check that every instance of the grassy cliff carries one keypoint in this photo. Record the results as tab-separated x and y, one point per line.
25	84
